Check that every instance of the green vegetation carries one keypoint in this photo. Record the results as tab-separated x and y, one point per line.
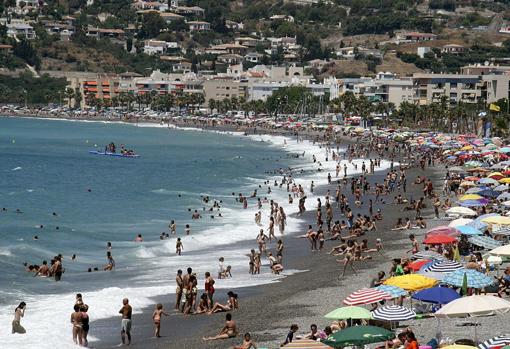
41	90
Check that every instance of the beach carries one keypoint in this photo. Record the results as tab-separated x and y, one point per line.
311	284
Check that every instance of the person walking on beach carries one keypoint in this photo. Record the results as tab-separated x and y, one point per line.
209	289
19	312
85	324
156	317
178	289
125	331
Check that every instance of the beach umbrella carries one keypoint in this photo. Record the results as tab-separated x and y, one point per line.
436	295
345	313
366	296
358	336
467	184
489	181
495	174
445	266
506	203
501	187
394	291
468	230
478	225
474	306
489	193
485	242
433	275
439	239
411	282
460	221
501	220
504	196
428	255
443	230
306	344
474	278
472	178
503	231
417	265
494	260
461	211
495	342
470	197
459	346
475	190
474	203
456	169
393	313
502	251
504	180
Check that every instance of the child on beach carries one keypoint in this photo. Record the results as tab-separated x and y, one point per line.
178	246
187	230
156	317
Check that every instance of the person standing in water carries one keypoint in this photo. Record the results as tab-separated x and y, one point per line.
178	290
126	312
19	312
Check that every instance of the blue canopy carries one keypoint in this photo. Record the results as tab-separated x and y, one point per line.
468	230
436	295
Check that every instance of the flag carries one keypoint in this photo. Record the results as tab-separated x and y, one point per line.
494	107
456	254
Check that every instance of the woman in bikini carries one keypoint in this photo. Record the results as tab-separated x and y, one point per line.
231	304
271	229
76	320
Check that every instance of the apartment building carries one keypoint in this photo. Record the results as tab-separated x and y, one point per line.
430	88
224	87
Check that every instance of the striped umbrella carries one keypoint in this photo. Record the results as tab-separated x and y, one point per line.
393	313
475	279
428	255
366	296
393	291
485	242
498	341
445	266
306	344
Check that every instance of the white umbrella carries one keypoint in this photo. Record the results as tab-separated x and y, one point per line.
506	203
474	306
461	211
495	260
502	251
460	221
502	187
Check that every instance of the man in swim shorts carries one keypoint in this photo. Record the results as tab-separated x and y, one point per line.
126	312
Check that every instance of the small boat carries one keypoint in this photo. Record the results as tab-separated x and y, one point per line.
106	153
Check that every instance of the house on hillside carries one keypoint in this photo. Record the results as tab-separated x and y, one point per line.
453	49
20	30
415	37
199	26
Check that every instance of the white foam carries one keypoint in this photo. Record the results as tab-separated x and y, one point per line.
16	168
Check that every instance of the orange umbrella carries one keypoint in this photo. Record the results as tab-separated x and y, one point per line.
439	239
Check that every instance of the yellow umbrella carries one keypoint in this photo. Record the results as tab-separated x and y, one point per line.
496	174
467	184
501	220
470	197
467	147
504	180
411	282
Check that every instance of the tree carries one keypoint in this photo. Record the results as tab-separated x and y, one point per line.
69	93
152	25
129	44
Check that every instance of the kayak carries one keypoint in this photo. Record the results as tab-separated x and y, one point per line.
106	153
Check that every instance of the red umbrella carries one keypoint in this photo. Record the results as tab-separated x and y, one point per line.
472	178
416	265
443	230
439	239
366	296
506	173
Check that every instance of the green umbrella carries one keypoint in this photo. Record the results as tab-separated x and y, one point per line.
357	336
345	313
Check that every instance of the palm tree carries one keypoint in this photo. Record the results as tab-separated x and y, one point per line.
212	104
69	94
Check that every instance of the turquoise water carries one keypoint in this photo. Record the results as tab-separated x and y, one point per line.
45	167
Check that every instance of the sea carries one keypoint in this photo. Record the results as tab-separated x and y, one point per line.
75	202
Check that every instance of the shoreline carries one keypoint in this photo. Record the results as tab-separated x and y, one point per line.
282	298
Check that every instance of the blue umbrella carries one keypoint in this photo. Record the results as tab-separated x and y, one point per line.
485	242
502	187
473	203
475	279
394	291
443	266
482	226
468	230
489	193
436	295
487	180
504	196
393	313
